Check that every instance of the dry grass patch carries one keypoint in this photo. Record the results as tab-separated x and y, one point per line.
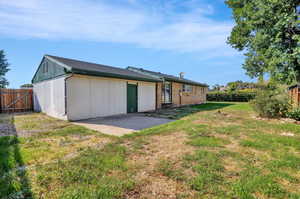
232	165
152	181
47	150
33	123
159	187
171	146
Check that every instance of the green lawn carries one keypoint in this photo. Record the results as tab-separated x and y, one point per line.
215	150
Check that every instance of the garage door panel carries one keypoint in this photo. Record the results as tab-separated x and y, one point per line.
96	89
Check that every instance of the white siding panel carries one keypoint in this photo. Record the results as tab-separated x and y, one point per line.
146	96
78	98
89	97
49	97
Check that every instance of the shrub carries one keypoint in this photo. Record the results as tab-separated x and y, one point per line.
294	114
271	102
240	96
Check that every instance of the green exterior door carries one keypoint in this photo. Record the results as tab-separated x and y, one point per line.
131	98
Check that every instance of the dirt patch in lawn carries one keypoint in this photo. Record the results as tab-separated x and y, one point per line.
6	125
232	167
28	124
152	184
7	130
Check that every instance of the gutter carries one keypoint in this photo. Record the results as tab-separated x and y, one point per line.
186	82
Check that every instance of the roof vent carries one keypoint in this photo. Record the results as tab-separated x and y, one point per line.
181	75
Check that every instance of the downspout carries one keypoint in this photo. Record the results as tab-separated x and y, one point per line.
180	95
66	104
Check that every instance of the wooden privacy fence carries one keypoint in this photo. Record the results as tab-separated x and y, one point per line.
294	93
16	100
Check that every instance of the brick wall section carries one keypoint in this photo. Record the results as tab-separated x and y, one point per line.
197	96
176	87
158	95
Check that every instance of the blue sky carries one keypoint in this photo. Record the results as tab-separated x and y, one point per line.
169	36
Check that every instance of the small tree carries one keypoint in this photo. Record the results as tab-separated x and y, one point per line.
3	70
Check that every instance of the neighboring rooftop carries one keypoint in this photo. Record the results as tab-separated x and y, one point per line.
87	68
165	76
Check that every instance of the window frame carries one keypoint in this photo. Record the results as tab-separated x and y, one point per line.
187	88
164	92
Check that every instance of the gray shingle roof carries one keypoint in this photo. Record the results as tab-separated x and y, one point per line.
87	68
166	76
132	73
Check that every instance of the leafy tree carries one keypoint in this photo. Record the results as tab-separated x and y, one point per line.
237	85
240	85
268	32
26	86
216	87
3	70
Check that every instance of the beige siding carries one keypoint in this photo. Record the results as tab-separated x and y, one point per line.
89	97
49	97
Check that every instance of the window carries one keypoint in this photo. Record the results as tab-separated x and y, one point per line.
166	92
187	88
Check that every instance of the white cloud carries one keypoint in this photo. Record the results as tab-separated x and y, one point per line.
145	24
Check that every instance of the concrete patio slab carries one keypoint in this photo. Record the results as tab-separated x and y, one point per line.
122	124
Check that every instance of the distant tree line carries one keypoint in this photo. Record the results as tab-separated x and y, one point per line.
236	86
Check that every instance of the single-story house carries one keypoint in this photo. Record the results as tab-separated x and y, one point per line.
74	90
175	91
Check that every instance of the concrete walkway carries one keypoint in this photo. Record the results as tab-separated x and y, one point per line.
122	124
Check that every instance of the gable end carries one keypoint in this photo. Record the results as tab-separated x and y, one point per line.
48	69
